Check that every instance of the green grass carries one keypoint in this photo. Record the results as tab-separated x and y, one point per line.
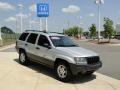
8	39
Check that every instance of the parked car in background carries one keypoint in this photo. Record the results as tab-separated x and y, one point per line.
117	37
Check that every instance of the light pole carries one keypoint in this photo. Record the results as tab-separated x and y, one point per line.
68	24
40	23
99	2
79	18
1	42
30	14
21	15
46	21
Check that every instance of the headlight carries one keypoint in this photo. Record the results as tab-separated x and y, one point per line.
80	60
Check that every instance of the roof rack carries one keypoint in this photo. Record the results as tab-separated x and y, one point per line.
43	31
36	31
55	32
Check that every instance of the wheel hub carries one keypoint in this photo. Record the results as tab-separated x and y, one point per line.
22	57
62	71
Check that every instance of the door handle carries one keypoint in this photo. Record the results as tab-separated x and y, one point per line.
37	48
26	44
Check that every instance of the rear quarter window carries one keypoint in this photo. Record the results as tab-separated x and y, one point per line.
23	36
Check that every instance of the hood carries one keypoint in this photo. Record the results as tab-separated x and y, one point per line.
77	51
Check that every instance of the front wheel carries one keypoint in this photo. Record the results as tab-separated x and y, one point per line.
63	72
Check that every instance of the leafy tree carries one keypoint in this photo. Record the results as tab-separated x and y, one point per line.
68	31
108	28
93	30
6	30
86	33
73	31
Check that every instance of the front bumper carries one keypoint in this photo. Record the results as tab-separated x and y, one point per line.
76	69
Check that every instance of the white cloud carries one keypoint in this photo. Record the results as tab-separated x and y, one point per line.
33	8
71	9
23	15
20	6
11	19
91	14
6	6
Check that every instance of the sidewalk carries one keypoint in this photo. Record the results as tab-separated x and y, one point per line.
7	46
14	76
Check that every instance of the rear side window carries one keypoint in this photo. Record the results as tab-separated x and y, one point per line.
23	36
32	38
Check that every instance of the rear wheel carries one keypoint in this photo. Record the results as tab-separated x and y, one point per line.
63	72
23	58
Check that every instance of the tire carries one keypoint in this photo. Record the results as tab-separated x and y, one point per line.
23	59
63	72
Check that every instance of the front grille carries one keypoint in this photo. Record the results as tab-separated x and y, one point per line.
93	60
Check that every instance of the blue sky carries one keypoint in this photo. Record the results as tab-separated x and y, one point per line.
59	17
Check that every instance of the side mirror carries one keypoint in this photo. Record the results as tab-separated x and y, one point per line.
47	46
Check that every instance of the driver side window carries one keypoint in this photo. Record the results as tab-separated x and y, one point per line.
43	41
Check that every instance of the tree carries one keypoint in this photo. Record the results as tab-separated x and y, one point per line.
73	31
108	28
6	30
68	31
93	30
86	33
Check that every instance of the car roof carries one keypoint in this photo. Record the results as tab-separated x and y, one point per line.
45	33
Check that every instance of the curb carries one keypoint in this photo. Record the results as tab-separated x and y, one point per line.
6	47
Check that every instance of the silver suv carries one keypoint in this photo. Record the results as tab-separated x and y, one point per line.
58	52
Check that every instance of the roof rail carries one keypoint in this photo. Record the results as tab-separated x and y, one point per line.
36	31
44	31
55	32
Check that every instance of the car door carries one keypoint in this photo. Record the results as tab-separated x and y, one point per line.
44	50
30	45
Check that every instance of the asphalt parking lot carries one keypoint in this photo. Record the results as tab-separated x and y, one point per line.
110	56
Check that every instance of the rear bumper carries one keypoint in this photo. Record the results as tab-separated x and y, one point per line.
76	69
17	49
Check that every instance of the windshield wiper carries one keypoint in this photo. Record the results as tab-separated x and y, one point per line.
60	45
66	45
72	45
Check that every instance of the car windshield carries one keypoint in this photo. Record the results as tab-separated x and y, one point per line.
62	41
